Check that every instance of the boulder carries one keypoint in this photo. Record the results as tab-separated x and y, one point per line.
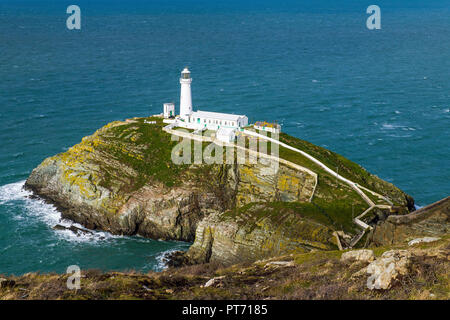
420	240
363	255
214	281
387	269
78	231
285	264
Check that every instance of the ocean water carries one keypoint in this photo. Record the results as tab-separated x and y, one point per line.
380	98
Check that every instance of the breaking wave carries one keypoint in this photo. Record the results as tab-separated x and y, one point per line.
36	210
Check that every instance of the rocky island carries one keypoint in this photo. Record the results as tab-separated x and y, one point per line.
244	222
122	180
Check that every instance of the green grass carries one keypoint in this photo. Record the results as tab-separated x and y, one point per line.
146	149
335	162
333	197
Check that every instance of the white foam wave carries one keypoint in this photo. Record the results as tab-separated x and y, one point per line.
297	124
13	191
37	209
161	259
389	126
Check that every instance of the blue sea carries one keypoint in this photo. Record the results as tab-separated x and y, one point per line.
379	97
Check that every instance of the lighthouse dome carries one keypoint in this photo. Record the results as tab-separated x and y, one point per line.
185	74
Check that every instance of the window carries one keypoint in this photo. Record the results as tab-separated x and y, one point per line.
185	75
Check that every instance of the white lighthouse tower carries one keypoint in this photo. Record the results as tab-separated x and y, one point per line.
185	93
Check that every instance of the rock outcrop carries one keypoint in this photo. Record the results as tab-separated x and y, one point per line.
257	231
386	270
430	221
422	240
363	255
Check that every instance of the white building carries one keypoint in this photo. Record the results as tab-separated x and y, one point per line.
169	110
215	120
205	119
226	134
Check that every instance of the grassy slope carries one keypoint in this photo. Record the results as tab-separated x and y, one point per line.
143	147
333	198
346	168
314	275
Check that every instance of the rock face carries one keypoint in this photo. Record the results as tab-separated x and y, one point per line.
257	183
385	270
258	232
429	221
153	210
122	180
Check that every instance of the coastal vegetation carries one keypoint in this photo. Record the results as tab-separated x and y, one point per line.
313	275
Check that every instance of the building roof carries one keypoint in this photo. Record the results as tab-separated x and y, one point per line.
225	131
217	115
267	124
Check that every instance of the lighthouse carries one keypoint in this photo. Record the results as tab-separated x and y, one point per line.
185	93
225	124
